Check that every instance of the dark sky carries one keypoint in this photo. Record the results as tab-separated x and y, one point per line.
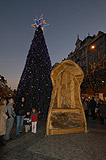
67	18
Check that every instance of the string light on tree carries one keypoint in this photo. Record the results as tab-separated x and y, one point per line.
36	72
95	76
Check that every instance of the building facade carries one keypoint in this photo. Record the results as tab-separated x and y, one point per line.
89	51
96	50
90	55
5	91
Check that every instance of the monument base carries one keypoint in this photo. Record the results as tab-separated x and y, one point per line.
66	131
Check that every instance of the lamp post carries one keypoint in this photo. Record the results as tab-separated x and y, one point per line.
93	47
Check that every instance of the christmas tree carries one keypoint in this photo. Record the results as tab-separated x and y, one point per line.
35	83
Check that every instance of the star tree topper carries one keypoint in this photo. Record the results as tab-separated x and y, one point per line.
39	22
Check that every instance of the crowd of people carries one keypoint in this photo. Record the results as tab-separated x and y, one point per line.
95	109
9	112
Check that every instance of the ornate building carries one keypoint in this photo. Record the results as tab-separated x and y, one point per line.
5	91
96	49
90	55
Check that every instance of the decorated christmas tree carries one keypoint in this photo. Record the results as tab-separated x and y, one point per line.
35	83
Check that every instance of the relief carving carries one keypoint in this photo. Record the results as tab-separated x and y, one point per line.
66	113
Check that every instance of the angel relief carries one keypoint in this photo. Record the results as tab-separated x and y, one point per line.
65	90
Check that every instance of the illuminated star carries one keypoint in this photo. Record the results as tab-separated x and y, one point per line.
39	22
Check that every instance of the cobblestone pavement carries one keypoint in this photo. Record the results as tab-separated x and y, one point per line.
75	146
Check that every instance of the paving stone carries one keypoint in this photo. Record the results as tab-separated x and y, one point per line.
75	146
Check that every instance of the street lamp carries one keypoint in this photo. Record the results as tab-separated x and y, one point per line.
93	47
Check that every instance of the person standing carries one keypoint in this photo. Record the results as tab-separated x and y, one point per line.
103	111
85	106
34	119
92	106
20	112
10	120
3	118
27	122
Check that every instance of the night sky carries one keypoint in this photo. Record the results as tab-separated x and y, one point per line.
66	19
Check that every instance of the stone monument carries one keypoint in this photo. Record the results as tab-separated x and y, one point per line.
66	114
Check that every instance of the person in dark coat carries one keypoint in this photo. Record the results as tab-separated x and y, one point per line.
86	107
20	112
92	106
102	112
27	122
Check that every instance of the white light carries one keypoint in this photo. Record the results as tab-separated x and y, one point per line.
93	47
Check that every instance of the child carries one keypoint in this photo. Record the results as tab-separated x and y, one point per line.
27	121
34	119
